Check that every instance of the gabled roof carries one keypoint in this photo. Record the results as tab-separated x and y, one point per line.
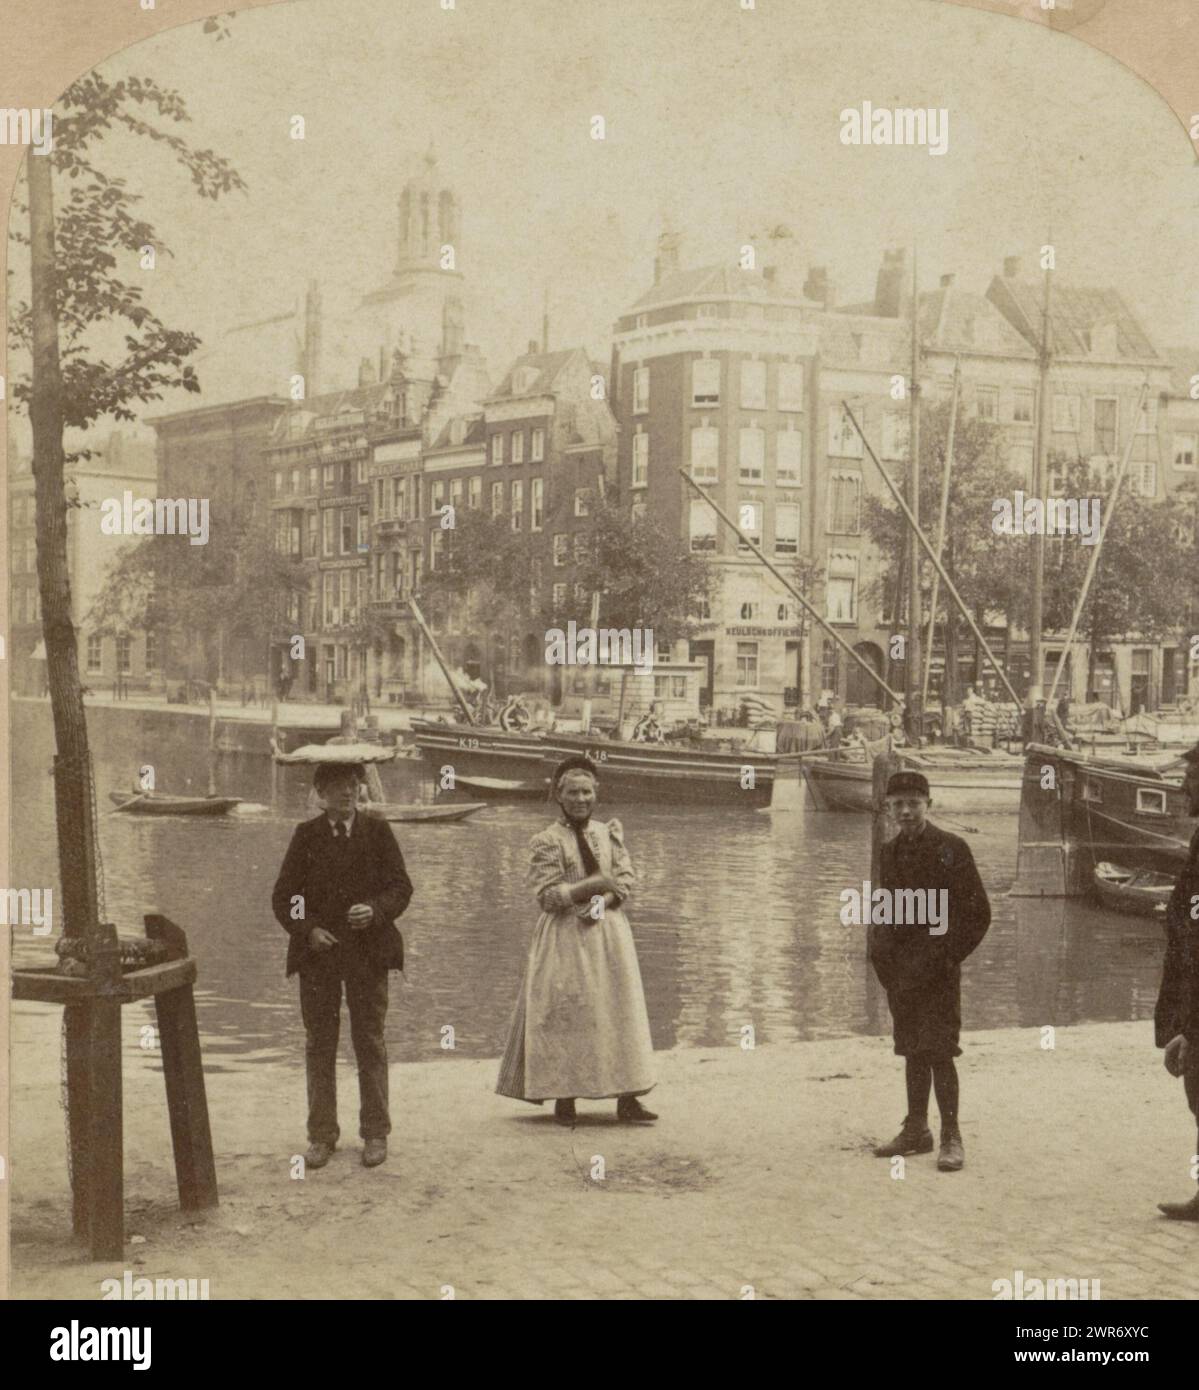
842	337
1074	311
956	320
475	434
549	367
713	282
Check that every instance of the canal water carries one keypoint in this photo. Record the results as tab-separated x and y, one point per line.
736	915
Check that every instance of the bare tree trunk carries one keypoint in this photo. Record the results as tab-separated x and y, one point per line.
73	792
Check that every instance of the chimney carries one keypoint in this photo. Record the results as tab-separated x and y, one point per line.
533	348
947	282
1011	267
891	293
366	372
819	287
666	262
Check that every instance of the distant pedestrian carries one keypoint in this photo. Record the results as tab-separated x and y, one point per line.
918	964
1176	1018
580	1027
342	885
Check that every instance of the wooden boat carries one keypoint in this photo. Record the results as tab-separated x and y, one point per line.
671	772
958	781
159	804
506	787
411	814
1077	811
479	750
1139	892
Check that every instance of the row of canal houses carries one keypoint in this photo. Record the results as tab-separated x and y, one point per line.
735	374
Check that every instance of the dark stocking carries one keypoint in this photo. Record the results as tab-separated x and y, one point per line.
919	1076
945	1084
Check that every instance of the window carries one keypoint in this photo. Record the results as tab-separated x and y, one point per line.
1023	405
151	651
436	547
456	492
294	481
1105	425
559	592
1151	802
474	492
705	453
895	434
518	446
312	522
124	653
843	440
561	541
749	520
436	496
497	499
640	390
987	402
1184	451
399	497
537	445
640	459
829	666
750	611
752	457
844	504
349	527
314	479
95	650
582	501
278	481
1066	414
330	475
841	600
789	458
518	505
1142	476
753	385
702	525
786	529
581	548
705	381
747	663
536	504
328	530
790	386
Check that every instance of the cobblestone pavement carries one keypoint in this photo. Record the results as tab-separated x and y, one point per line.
757	1181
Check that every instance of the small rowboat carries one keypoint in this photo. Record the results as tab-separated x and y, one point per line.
158	804
1140	892
395	811
503	786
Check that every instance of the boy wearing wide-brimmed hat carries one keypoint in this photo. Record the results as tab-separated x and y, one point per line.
919	963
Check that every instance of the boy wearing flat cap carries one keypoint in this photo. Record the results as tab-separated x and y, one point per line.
1176	1018
919	963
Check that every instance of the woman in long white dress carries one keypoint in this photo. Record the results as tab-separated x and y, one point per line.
580	1027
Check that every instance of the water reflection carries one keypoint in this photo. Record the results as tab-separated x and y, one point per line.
736	916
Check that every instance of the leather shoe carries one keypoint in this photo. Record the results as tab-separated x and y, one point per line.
564	1112
374	1151
1180	1211
630	1111
952	1156
912	1139
318	1154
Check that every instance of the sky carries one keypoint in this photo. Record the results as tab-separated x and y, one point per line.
723	120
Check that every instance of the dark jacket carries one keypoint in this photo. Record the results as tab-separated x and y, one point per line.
330	877
1178	1000
908	958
